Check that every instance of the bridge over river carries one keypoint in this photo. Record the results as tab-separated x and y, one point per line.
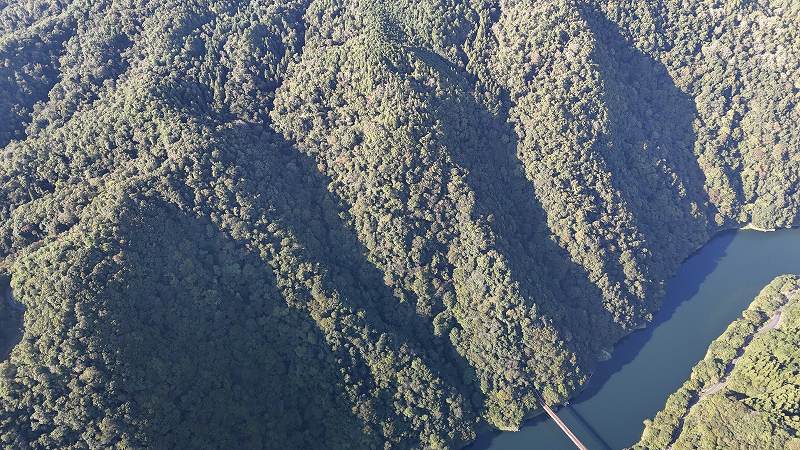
572	437
710	289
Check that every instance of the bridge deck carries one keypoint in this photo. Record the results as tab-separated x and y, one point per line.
561	424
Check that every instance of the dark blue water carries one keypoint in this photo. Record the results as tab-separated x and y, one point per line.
709	291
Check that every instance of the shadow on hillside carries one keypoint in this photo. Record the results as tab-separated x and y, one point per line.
485	145
268	196
692	274
298	196
11	315
649	148
209	354
31	72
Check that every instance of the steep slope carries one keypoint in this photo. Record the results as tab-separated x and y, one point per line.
440	208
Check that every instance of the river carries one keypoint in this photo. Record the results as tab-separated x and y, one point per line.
710	290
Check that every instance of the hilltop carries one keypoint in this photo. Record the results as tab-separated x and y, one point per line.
331	223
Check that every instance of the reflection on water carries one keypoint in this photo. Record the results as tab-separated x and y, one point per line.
709	291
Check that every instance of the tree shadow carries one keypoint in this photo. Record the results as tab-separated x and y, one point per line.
11	315
208	353
682	287
32	73
649	148
486	146
299	198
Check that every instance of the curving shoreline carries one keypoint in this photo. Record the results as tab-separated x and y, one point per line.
649	325
711	387
711	374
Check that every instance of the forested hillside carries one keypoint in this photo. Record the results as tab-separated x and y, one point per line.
744	394
363	224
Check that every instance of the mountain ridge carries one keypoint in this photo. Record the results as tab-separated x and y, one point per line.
469	200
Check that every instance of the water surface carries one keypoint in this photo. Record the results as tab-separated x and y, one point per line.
709	291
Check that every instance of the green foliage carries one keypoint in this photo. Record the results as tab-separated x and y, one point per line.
313	223
162	324
745	393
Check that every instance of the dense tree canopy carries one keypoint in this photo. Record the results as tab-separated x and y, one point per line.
362	224
745	393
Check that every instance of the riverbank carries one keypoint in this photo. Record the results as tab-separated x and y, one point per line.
608	354
772	323
710	376
709	290
751	226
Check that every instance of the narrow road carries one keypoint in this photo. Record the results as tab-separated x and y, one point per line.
773	323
